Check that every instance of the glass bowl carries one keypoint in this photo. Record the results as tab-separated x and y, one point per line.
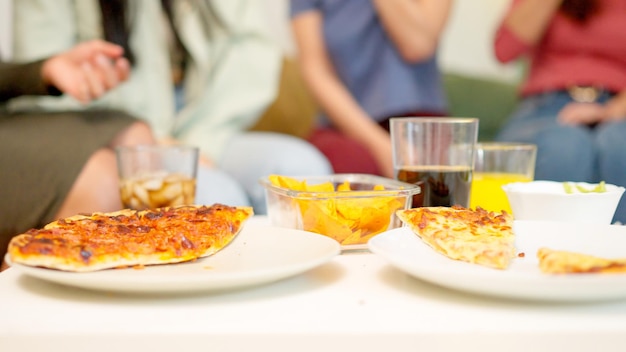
351	217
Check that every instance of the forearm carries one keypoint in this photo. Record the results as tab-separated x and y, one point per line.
349	118
529	19
23	79
339	105
319	73
414	26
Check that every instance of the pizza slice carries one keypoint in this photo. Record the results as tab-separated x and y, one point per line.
126	238
564	262
474	236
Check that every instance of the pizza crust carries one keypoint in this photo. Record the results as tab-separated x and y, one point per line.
85	243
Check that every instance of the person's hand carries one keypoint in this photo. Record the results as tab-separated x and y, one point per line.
382	152
88	70
581	114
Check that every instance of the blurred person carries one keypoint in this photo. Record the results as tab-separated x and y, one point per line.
573	100
364	62
54	165
203	73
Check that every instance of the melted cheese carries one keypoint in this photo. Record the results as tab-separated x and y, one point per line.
128	238
475	236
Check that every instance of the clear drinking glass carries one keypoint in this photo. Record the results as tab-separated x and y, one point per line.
436	153
496	164
155	176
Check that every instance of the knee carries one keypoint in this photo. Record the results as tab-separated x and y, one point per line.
138	132
345	154
215	186
565	154
302	158
566	142
611	144
610	140
98	183
251	156
101	169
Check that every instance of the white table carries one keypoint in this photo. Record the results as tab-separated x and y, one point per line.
357	302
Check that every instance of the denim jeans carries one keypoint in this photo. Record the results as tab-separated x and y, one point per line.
251	156
570	153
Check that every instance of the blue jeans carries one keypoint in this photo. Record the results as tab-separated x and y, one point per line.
570	153
251	156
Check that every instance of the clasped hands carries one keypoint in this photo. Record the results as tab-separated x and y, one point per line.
576	113
88	70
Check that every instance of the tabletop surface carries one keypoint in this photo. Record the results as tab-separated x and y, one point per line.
354	301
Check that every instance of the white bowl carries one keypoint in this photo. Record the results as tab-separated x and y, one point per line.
548	200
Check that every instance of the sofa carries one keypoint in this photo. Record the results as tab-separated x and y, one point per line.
489	100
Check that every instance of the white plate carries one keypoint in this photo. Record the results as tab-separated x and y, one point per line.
522	280
258	255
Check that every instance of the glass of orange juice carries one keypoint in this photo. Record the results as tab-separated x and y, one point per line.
496	164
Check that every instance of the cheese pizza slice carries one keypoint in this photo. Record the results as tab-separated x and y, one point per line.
99	241
564	262
474	236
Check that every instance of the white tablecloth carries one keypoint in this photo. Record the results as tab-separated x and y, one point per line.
357	302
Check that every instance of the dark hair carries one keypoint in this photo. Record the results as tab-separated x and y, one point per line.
580	10
115	25
167	8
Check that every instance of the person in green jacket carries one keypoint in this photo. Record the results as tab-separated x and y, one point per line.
203	73
58	164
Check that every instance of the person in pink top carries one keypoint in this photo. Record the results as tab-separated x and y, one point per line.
573	100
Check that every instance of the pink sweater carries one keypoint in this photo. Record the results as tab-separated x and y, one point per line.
569	54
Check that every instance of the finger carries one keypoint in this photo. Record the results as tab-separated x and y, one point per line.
122	67
566	117
564	120
79	90
105	48
107	71
94	83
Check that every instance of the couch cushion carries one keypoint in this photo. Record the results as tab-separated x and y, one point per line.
294	110
489	100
